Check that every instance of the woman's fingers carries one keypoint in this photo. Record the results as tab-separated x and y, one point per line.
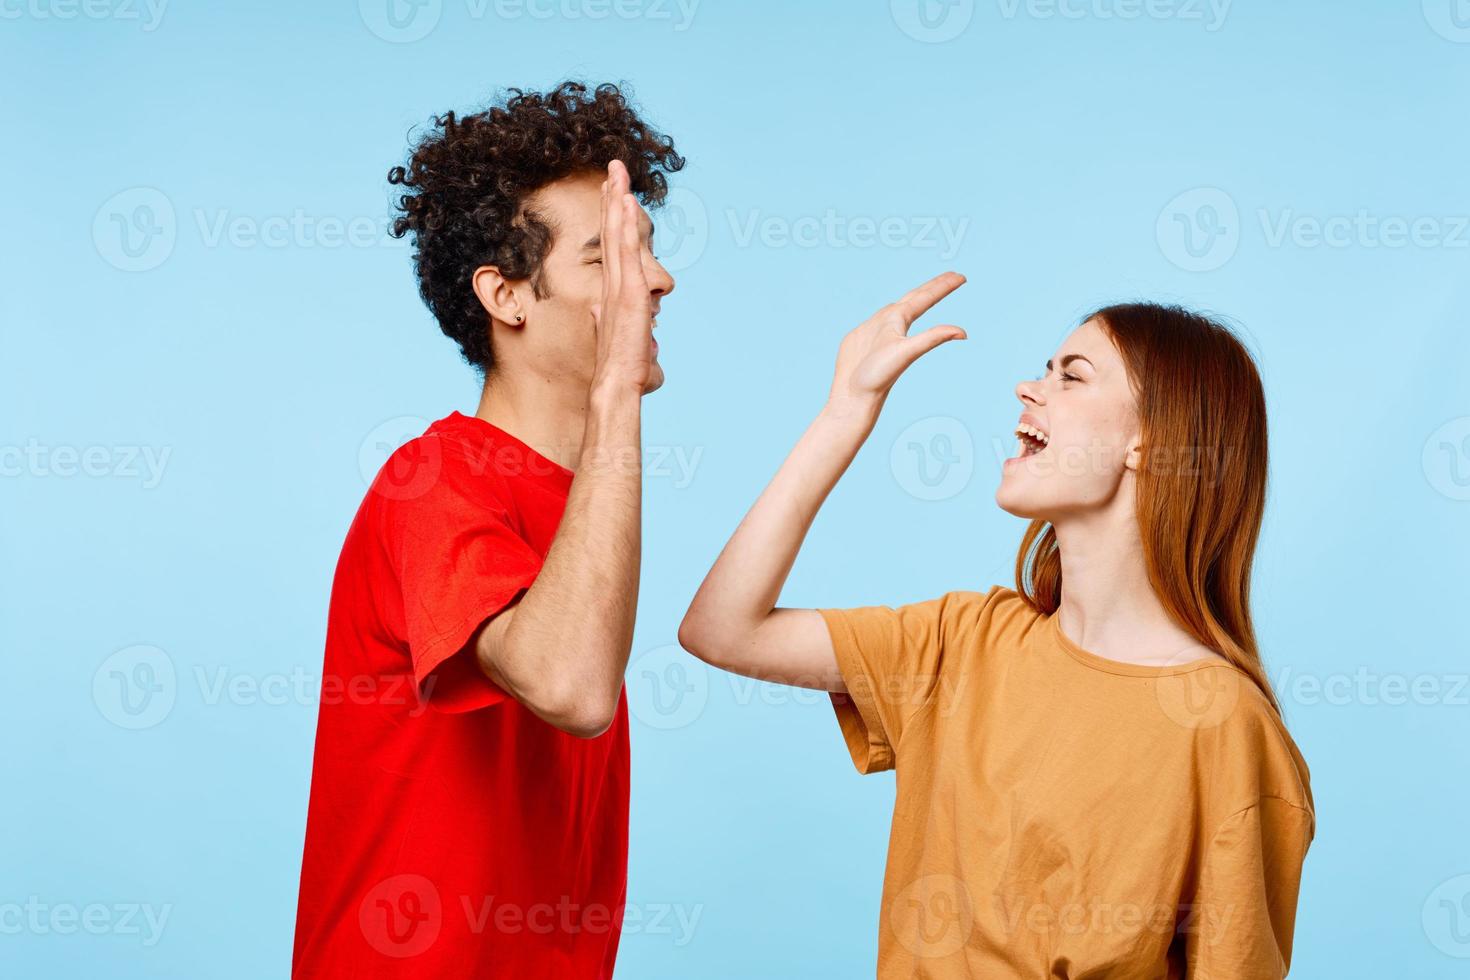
917	301
917	346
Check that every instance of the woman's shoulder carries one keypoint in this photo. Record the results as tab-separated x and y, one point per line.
998	615
1251	754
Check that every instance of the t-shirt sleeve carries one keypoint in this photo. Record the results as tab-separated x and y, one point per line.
891	661
460	561
1244	914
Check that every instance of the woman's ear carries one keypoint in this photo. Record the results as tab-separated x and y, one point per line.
498	296
1133	455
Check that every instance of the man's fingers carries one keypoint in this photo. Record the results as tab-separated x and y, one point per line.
918	300
612	229
629	246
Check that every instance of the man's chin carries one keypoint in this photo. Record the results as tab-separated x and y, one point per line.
655	379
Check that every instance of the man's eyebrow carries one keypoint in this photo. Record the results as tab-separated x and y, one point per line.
595	242
1068	359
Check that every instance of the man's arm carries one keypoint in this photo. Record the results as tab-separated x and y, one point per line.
563	648
733	622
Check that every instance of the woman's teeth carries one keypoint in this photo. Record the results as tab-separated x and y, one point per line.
1031	440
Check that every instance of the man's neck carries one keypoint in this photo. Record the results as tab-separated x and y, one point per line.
548	416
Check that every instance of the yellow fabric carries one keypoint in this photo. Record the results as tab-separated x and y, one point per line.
1060	814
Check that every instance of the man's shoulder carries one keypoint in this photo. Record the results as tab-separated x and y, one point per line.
459	457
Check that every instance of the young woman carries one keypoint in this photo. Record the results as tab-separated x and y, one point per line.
1093	776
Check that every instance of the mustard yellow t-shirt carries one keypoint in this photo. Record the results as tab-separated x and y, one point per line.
1060	814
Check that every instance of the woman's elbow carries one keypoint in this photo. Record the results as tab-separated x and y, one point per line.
696	637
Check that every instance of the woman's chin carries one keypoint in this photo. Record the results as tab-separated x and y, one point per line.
1013	499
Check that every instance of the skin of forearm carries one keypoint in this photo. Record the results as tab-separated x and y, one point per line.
745	583
566	648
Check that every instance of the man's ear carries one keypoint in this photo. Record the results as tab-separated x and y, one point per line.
497	295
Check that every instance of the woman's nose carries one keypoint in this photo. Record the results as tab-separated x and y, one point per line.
1029	392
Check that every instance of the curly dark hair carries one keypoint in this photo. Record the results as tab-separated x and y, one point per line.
468	179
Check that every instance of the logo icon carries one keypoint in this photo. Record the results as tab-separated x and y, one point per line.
1446	459
401	916
1199	230
400	21
1200	698
934	458
392	467
1446	917
1450	19
932	21
136	687
135	230
933	916
667	688
681	229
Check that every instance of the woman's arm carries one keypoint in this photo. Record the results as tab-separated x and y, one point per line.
733	622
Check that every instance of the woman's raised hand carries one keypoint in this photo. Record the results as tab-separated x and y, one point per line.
873	355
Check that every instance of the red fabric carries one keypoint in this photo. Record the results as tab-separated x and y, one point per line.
451	832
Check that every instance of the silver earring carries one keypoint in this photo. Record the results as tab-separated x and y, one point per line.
519	318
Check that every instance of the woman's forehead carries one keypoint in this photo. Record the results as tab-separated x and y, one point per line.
1090	340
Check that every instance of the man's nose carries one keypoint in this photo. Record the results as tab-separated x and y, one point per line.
660	283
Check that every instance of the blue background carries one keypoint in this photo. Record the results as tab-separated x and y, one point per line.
176	281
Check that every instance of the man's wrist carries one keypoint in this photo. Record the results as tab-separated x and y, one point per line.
610	393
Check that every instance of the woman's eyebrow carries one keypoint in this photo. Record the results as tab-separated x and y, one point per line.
1068	359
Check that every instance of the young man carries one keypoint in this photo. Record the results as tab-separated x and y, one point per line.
469	799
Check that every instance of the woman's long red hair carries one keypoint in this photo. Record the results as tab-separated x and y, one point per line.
1201	483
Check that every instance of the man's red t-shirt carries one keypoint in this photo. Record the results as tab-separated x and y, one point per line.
451	832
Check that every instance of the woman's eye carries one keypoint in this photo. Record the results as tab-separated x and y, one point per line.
1070	377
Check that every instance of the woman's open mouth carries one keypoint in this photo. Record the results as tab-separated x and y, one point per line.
1031	440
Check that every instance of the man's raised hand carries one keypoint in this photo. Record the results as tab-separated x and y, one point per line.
624	318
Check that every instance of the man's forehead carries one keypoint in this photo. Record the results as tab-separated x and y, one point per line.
572	206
